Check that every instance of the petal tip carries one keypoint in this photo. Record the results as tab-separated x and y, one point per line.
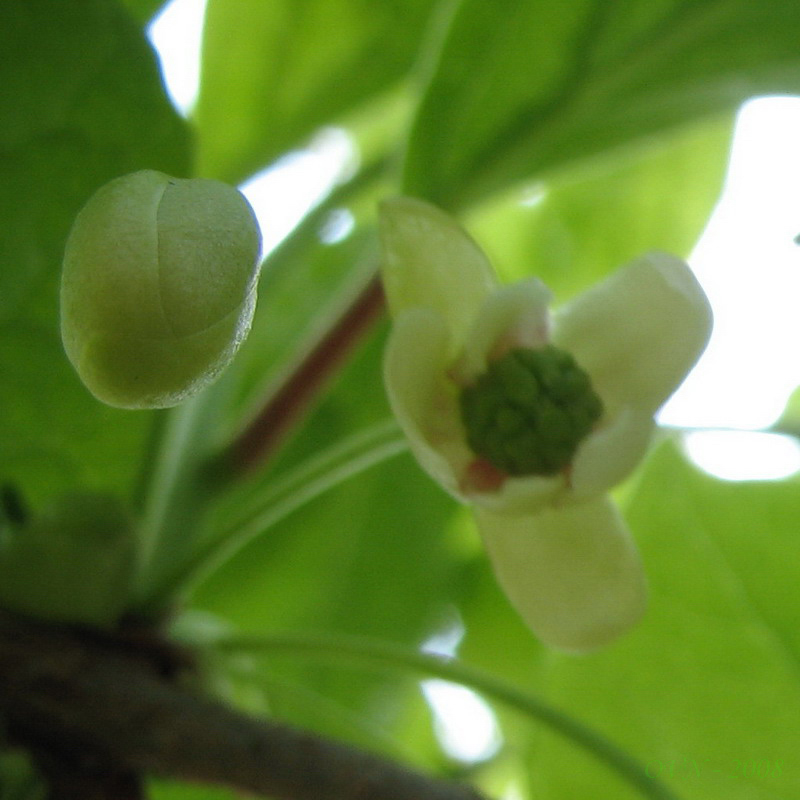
681	279
572	573
429	260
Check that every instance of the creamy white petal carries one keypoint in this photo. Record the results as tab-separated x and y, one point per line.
611	453
430	261
638	332
572	573
415	363
513	316
523	495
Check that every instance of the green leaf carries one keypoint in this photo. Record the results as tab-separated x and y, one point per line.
144	10
173	790
20	781
571	81
576	227
72	564
363	652
345	565
82	102
382	531
370	557
274	72
706	691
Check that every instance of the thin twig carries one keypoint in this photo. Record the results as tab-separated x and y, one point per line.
365	651
298	486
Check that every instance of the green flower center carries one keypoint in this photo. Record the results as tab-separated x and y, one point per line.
529	411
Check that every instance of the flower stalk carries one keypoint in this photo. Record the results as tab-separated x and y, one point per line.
291	398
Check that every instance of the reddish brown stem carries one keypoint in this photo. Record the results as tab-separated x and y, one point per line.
291	400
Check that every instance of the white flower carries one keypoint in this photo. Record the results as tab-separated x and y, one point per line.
560	549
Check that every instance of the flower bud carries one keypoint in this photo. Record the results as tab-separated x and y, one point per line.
158	288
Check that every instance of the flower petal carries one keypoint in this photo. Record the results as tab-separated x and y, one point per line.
572	573
521	495
430	261
513	316
639	332
425	405
611	453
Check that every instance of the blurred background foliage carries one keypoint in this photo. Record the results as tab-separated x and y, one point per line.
569	136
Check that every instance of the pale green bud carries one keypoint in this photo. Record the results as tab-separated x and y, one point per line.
158	288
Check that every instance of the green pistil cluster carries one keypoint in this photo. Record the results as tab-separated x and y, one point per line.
529	411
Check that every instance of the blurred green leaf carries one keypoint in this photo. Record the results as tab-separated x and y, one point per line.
82	102
521	89
368	558
574	228
706	690
302	288
789	421
310	693
172	790
345	561
19	780
273	72
144	10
